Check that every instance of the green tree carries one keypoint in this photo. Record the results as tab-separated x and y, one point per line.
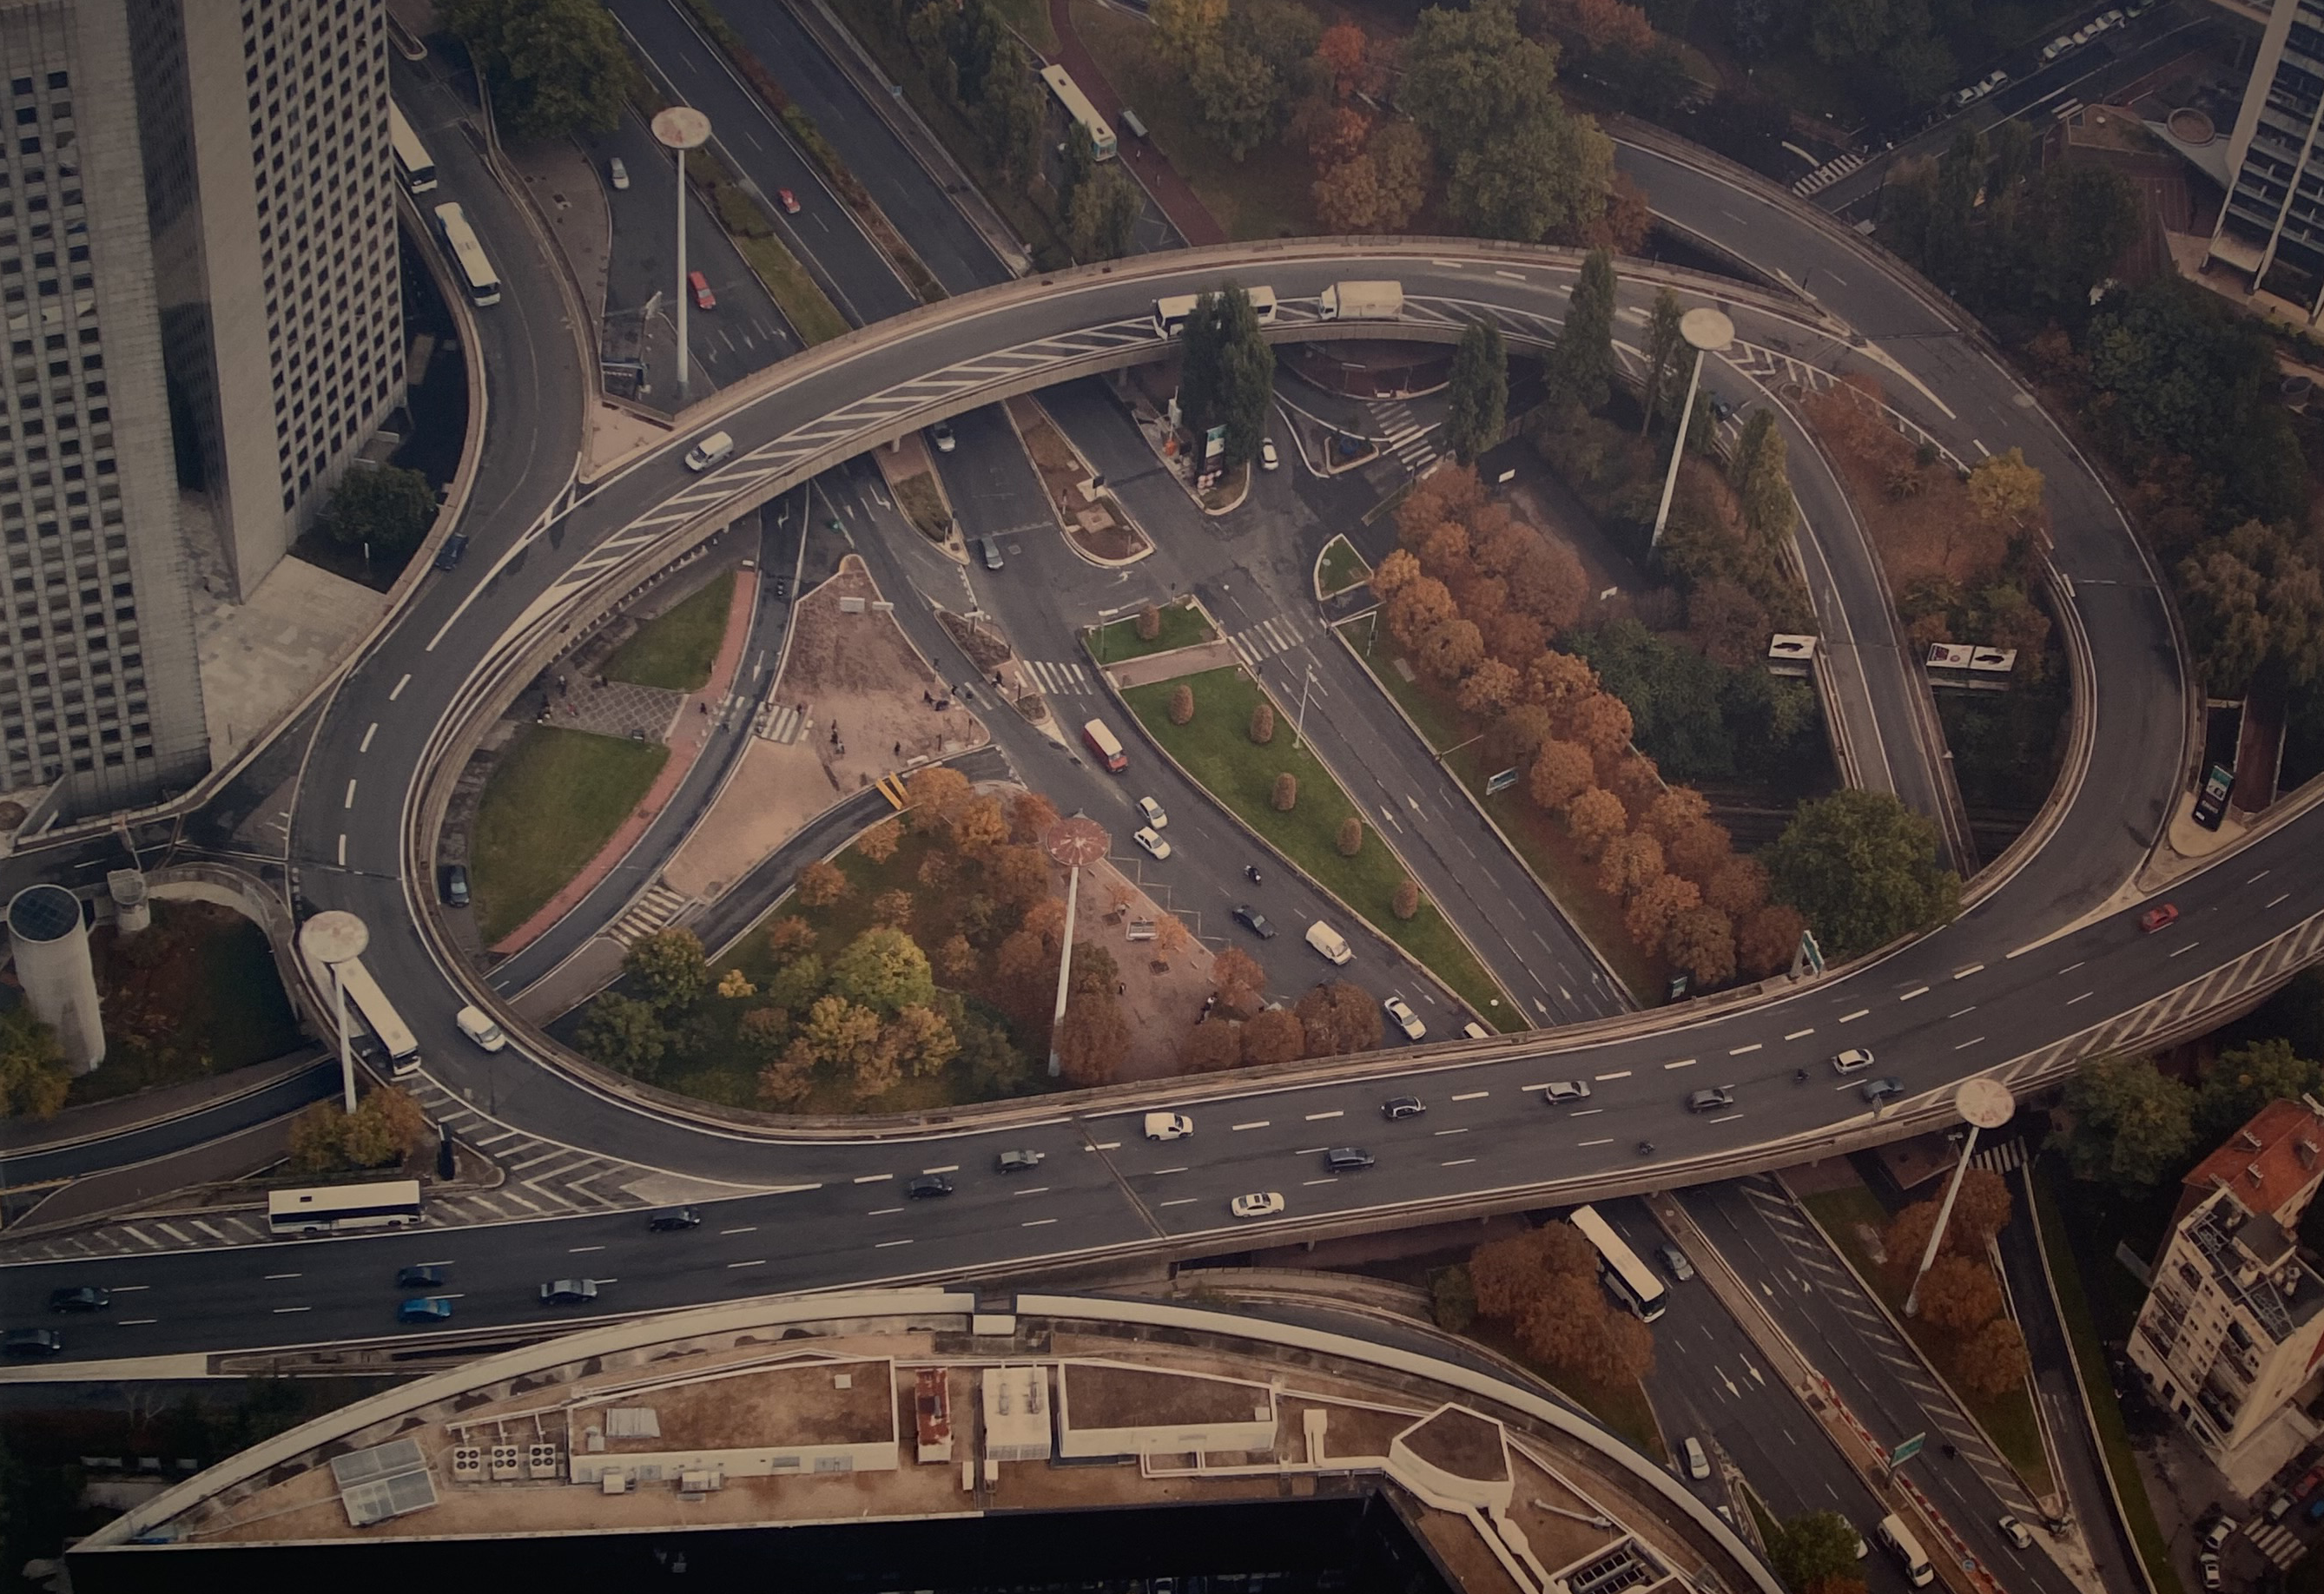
1101	215
624	1034
1477	405
1453	1300
382	507
1227	375
1581	363
1663	384
1863	868
1762	484
1241	97
2254	606
1011	113
883	969
797	984
2246	1078
556	66
1471	78
670	969
1548	178
1811	1549
2131	1125
34	1076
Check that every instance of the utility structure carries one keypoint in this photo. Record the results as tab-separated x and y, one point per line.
1073	842
1706	332
680	128
1985	1104
49	937
330	941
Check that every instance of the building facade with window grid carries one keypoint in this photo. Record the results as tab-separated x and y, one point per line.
100	690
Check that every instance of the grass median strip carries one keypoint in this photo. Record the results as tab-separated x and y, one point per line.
1215	748
1183	626
553	800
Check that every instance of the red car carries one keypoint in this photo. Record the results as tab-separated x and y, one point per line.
2161	917
704	299
789	199
2307	1482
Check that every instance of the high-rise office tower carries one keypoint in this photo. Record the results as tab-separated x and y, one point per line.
100	693
270	186
2274	211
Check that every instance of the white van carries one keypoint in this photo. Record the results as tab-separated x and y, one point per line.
1168	1126
711	450
1900	1544
478	1027
1328	941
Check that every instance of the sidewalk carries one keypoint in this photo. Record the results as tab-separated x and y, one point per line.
1180	202
686	742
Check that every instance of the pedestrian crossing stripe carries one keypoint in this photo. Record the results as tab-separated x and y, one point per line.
891	786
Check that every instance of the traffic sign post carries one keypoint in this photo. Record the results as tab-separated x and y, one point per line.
1907	1449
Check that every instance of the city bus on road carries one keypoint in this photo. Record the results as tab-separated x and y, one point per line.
461	241
340	1209
1106	745
1626	1277
1085	115
1171	315
376	1014
411	162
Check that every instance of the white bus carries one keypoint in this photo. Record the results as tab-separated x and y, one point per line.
370	1005
460	239
1077	106
1623	1275
411	162
1906	1548
339	1209
1171	315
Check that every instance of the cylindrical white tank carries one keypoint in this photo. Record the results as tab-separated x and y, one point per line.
52	947
131	910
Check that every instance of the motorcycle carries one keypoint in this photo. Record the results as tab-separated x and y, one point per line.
1251	870
1646	1149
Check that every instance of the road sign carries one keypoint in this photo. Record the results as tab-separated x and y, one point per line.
1810	957
1500	783
1907	1449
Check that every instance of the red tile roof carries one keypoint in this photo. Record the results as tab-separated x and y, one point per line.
2274	1161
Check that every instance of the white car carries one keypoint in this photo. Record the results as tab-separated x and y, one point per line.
2057	47
1154	816
1269	459
1698	1464
2015	1531
1168	1126
619	171
1565	1089
1259	1203
1851	1060
1147	837
1405	1018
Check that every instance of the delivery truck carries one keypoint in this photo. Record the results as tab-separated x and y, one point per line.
1362	301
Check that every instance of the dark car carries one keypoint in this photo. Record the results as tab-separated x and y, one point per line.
569	1291
1018	1162
1710	1099
86	1298
928	1185
1252	919
33	1343
425	1309
425	1275
1396	1106
456	885
676	1218
449	554
1347	1159
782	586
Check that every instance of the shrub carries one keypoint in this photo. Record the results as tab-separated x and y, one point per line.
1286	792
820	885
1262	723
1352	836
1405	902
1149	623
1182	704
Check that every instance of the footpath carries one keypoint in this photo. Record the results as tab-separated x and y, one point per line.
1180	202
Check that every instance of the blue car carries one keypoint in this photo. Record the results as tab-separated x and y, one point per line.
425	1309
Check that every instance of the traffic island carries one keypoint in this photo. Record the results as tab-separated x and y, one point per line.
1339	569
1095	525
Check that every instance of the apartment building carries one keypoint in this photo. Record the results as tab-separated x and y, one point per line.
2234	1319
2271	229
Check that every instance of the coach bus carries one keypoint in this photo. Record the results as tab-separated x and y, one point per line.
375	1012
1624	1275
460	240
340	1209
1077	106
1171	315
411	162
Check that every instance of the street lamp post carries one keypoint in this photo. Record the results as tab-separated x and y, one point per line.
681	128
1074	841
1299	722
1706	332
335	939
1986	1104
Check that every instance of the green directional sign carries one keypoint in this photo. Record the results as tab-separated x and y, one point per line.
1906	1450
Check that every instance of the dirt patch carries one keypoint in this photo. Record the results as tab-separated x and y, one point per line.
1132	1397
920	491
853	677
1918	513
1096	523
1461	1444
987	650
777	788
775	1406
1162	991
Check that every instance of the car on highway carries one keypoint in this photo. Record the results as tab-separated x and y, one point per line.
456	885
1710	1099
1405	1018
941	436
1559	1090
425	1309
1877	1090
1851	1060
789	200
618	170
1259	1203
1396	1106
1252	919
1347	1159
1168	1126
31	1342
699	286
1018	1162
2161	917
1697	1463
478	1027
1269	459
447	558
1675	1262
1152	812
2014	1531
1147	837
81	1298
569	1291
424	1275
928	1186
674	1219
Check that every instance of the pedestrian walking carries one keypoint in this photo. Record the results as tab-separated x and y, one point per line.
900	750
704	705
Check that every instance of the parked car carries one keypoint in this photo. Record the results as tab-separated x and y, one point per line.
1675	1262
2210	1565
31	1342
569	1291
1259	1203
2307	1482
1153	813
1710	1099
2218	1531
789	200
425	1309
1396	1106
1405	1018
1269	459
941	436
1252	919
619	170
84	1298
1018	1162
1347	1159
1560	1090
676	1218
456	885
449	556
928	1186
2161	917
1147	837
2015	1531
425	1275
704	299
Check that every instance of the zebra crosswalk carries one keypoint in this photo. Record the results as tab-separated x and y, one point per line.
650	912
780	723
1407	439
2278	1543
2001	1159
1276	634
1069	679
1827	174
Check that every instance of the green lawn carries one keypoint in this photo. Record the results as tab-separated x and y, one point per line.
1341	567
676	649
1183	626
1216	750
554	799
2066	1264
2009	1418
801	298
